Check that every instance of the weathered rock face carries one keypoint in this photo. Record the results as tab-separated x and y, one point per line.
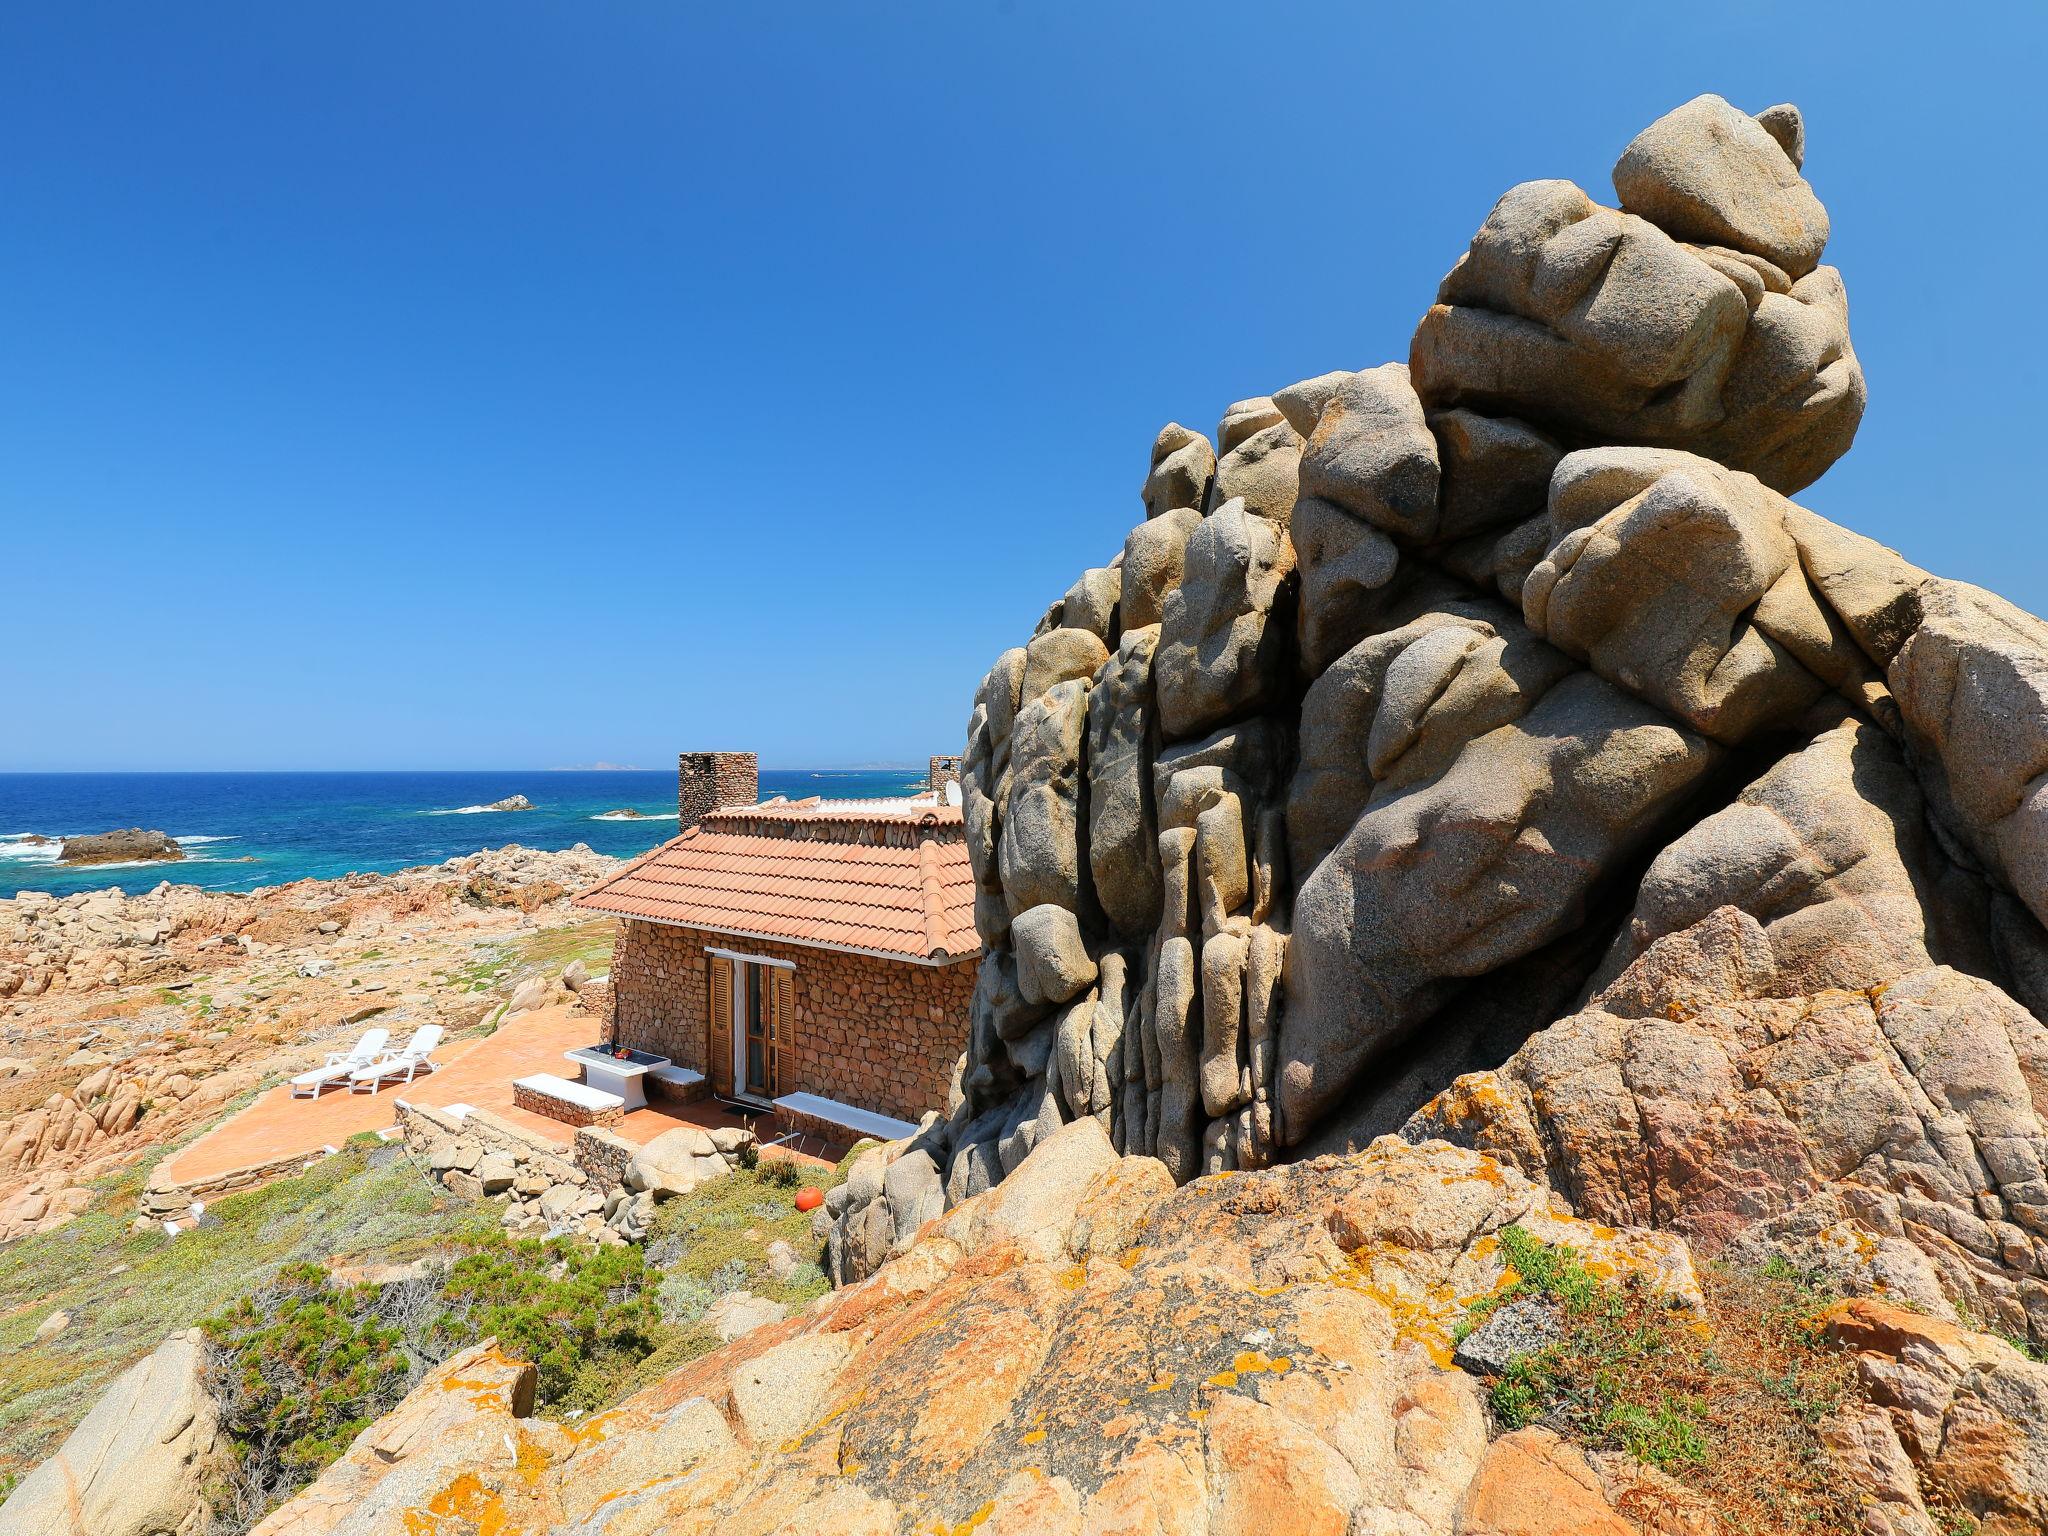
124	847
139	1463
1081	1349
1482	749
1496	713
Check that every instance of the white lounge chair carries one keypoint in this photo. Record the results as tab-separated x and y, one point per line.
340	1064
400	1066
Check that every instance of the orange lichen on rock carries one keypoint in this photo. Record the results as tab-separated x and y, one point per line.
990	1369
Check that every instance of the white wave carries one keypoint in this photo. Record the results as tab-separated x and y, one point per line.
466	810
15	848
649	816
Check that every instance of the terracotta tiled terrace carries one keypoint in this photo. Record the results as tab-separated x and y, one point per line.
476	1071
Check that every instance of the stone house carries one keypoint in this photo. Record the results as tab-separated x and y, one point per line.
811	947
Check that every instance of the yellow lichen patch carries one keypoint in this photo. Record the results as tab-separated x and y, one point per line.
1223	1379
1032	1437
1130	1256
530	1461
594	1428
467	1501
1073	1277
794	1444
1198	1414
1161	1382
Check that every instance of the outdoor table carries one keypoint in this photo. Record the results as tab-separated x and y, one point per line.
615	1074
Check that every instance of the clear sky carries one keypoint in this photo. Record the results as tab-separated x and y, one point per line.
496	383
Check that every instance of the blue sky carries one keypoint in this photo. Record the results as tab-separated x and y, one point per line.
518	384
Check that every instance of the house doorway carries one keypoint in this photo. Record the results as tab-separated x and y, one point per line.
751	1027
752	1043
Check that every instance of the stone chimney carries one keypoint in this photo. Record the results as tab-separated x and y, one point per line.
711	781
944	771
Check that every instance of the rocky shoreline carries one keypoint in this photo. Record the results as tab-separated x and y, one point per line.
128	1021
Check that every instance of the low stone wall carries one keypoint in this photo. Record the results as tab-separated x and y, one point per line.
480	1155
603	1156
539	1101
675	1093
164	1201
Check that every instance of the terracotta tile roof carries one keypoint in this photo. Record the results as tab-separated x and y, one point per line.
845	880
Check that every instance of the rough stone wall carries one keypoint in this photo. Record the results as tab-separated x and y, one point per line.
538	1101
943	771
603	1156
710	781
1425	699
878	1034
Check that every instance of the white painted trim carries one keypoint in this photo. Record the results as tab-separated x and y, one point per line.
733	954
937	962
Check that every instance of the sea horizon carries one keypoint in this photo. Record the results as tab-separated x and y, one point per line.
245	829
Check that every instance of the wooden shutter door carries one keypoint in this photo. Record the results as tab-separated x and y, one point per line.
718	1023
782	1027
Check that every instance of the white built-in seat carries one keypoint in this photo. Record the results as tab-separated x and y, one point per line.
582	1095
676	1077
862	1122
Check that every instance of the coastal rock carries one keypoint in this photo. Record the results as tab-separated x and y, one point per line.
1601	327
1710	174
1274	1348
1483	690
511	803
87	1099
125	847
471	1411
139	1462
1224	630
677	1162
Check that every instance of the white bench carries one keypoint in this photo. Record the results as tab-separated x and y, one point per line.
572	1103
681	1079
862	1122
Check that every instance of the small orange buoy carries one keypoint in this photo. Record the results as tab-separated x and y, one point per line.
809	1198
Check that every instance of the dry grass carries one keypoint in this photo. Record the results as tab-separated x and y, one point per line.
1729	1406
126	1290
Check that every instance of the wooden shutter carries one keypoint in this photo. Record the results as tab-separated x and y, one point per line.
718	1023
782	1027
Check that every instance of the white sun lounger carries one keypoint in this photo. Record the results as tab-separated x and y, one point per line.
400	1066
340	1064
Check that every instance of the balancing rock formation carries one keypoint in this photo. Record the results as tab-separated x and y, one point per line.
1498	713
1480	771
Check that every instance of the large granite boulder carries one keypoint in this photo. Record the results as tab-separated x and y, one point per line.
1224	631
128	846
139	1463
1718	177
1600	326
1486	745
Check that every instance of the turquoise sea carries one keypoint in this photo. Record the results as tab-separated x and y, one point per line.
242	830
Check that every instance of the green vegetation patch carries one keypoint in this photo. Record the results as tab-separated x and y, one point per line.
1729	1405
553	949
127	1290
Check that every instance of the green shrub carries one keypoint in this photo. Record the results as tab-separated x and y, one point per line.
299	1368
683	1298
732	1275
565	1307
750	1155
1731	1408
784	1172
